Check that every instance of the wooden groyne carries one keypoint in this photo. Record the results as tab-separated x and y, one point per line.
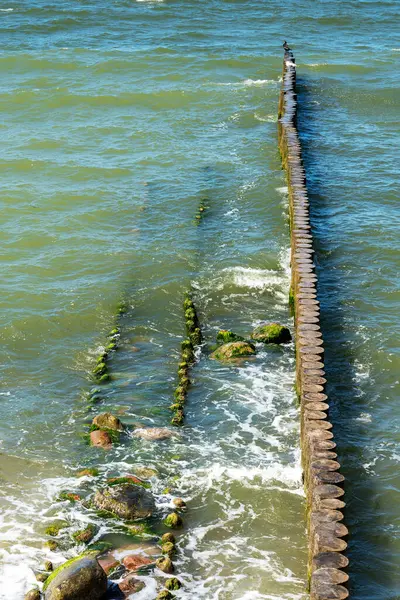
322	478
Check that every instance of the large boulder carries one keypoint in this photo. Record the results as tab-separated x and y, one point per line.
271	333
234	350
79	578
127	501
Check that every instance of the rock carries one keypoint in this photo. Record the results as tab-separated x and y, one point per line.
108	421
54	528
173	584
168	549
134	562
84	536
146	472
88	473
164	563
51	545
233	350
127	501
101	439
108	563
114	591
165	595
79	578
272	333
128	479
168	538
131	585
153	433
32	595
173	520
179	503
42	577
48	565
224	337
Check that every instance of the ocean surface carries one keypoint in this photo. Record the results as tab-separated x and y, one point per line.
117	120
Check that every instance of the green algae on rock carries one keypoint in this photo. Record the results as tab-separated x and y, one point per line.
165	595
90	472
168	548
164	563
173	520
86	535
126	501
32	595
55	528
224	336
271	333
168	538
80	577
234	350
173	584
108	421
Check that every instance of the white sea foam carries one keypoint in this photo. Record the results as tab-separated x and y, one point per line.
250	82
6	9
266	118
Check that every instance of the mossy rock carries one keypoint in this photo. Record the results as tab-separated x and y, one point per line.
54	528
178	418
51	545
48	565
41	576
164	563
168	538
196	337
234	350
126	501
130	479
272	333
173	520
224	336
32	595
78	578
100	369
88	473
165	595
173	584
64	495
100	547
114	332
84	536
108	421
168	549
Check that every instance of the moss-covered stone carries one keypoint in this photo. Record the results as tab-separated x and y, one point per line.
51	545
146	472
224	336
126	501
173	520
234	350
184	383
164	563
69	496
190	314
78	578
99	547
176	406
84	536
165	595
104	378
272	333
48	565
196	337
168	549
114	332
129	479
168	538
41	576
179	503
91	472
173	584
54	528
32	595
178	418
100	369
108	421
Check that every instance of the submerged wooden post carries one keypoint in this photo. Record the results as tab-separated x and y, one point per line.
322	479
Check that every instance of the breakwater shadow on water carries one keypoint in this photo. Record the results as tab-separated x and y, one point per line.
348	403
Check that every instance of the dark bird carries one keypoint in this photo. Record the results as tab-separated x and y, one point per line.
285	45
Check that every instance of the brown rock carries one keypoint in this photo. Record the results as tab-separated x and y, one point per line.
108	421
179	503
108	563
131	585
154	433
134	562
101	439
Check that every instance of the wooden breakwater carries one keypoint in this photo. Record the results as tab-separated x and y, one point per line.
322	478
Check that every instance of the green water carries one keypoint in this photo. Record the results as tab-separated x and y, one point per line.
118	119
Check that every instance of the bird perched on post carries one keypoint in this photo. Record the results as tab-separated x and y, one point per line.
285	45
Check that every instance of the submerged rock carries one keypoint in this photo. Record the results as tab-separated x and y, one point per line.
108	421
224	336
272	333
134	562
127	501
233	350
146	472
101	439
131	585
153	433
164	563
108	563
77	579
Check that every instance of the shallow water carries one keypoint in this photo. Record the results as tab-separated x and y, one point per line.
118	120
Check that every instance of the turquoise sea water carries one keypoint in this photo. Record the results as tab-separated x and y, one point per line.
117	120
